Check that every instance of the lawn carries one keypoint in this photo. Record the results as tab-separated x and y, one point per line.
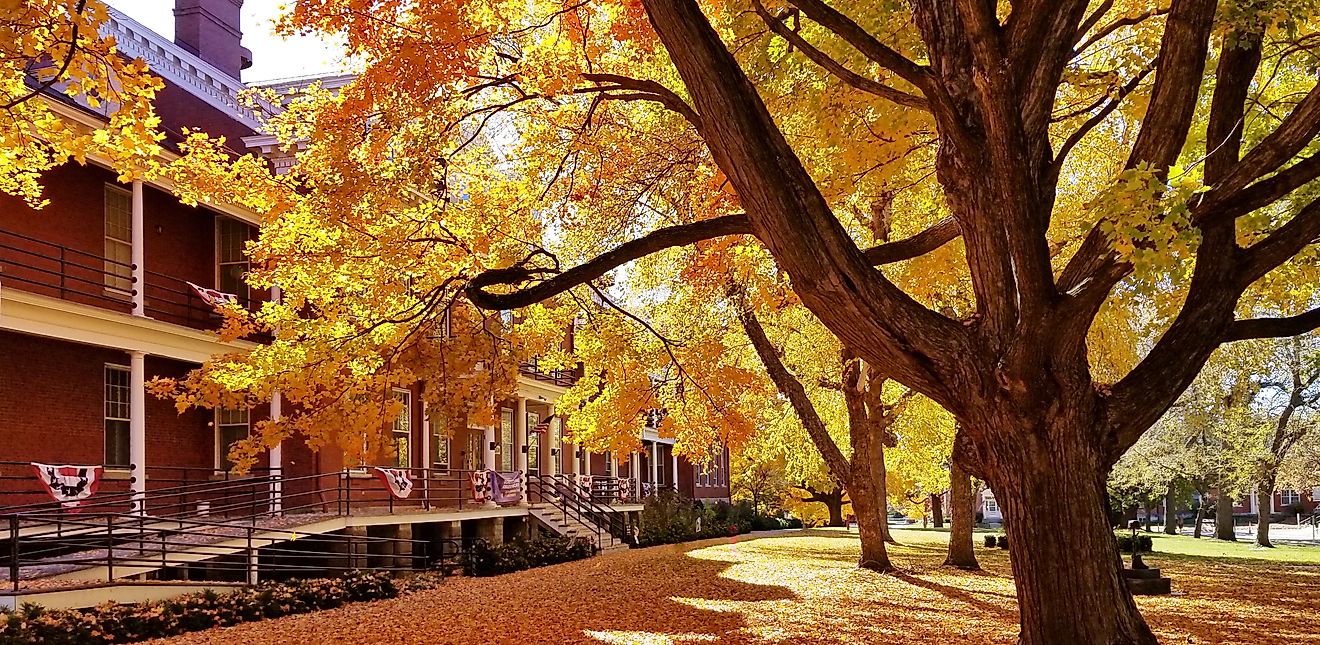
795	587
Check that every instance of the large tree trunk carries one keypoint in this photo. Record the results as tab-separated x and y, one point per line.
1224	517
1264	496
962	554
870	524
1068	575
1170	521
937	510
835	507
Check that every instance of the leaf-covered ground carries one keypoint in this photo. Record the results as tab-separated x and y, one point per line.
792	587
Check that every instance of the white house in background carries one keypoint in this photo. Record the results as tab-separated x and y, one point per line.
988	506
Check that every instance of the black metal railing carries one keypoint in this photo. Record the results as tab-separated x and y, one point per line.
563	492
564	377
50	269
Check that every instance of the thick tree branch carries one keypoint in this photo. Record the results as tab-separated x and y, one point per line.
792	389
1220	204
658	240
861	40
939	234
1183	51
1126	21
1274	327
839	70
1277	247
662	94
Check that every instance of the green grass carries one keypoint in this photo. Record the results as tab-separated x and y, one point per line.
1175	546
1243	549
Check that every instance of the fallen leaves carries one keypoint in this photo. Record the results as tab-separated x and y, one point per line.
794	587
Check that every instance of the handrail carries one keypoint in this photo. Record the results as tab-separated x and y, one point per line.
597	514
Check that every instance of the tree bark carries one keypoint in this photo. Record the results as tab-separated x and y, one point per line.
962	553
870	524
1170	521
1069	583
1224	517
937	510
1264	497
835	506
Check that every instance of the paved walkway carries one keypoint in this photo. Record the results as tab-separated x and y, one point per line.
787	587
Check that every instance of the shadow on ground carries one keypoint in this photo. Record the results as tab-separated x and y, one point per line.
794	587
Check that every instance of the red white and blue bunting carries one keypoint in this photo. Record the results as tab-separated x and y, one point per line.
399	481
69	485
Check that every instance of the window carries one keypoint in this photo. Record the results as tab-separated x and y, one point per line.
609	462
533	444
117	407
476	451
991	506
439	446
506	440
401	429
231	426
1289	497
231	257
118	241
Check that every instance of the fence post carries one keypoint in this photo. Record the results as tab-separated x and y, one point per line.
109	548
13	551
251	560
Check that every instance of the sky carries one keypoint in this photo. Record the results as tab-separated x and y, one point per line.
272	56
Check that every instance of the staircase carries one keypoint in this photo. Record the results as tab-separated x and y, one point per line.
570	513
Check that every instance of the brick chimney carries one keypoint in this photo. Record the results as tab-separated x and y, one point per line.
210	29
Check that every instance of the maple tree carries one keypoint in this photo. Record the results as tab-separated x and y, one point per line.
53	62
1062	160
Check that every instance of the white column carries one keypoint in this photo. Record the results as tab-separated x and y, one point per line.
673	458
137	429
276	459
426	437
556	446
138	237
655	465
614	465
276	456
520	442
490	455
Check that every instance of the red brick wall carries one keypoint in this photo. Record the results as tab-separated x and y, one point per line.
178	109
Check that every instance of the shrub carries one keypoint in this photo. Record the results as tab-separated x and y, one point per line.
111	623
1125	542
990	541
485	559
1002	541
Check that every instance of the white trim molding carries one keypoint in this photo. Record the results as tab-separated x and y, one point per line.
39	315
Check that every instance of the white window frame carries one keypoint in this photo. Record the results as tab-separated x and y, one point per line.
440	445
990	505
533	449
402	425
221	449
118	278
245	296
107	417
1285	494
505	453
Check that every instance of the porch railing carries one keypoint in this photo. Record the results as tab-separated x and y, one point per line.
45	268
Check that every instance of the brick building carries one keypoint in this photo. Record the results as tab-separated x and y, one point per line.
97	298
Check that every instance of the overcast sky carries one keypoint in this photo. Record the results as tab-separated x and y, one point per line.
272	57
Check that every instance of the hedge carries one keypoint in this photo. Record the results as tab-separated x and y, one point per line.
112	623
485	559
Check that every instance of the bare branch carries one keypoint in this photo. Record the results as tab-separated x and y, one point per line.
862	40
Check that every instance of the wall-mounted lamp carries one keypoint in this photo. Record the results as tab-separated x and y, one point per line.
554	452
492	446
578	454
524	450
